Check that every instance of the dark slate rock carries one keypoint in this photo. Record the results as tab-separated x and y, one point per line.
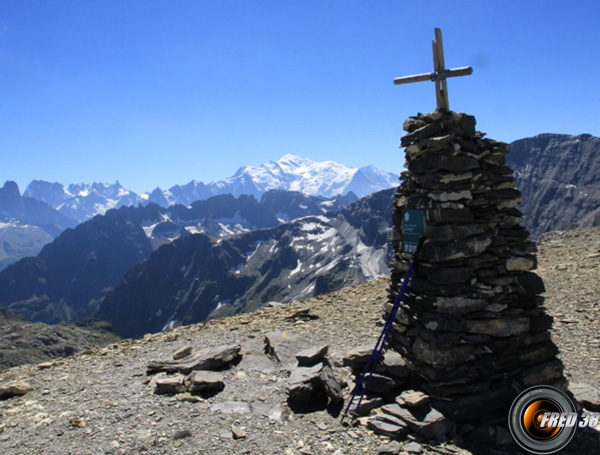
446	233
431	129
182	353
458	216
442	357
482	434
312	388
424	420
444	163
331	386
387	425
467	124
450	275
458	305
395	364
531	284
303	378
382	384
367	404
459	249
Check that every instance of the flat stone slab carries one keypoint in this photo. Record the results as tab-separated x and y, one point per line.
391	448
257	362
387	425
254	358
170	385
231	407
425	420
367	405
205	381
379	383
283	346
310	356
215	358
270	409
358	357
412	447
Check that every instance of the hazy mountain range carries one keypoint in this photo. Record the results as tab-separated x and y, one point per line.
291	173
25	231
69	278
149	267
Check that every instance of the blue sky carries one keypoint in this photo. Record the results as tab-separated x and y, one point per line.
157	93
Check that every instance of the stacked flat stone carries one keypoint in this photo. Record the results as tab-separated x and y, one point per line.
472	324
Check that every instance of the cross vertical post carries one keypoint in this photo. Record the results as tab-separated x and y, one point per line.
439	75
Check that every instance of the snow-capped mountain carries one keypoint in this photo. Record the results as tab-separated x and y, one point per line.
294	173
291	173
82	201
26	225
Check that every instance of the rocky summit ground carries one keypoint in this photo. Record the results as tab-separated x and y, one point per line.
103	401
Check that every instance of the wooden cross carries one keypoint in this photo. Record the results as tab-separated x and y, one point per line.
439	75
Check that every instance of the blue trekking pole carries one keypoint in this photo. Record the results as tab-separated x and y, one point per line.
377	351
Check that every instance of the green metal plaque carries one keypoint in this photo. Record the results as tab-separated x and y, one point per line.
414	228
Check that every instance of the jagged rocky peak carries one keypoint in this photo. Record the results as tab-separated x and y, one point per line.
10	197
472	324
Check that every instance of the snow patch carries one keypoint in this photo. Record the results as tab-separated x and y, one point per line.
297	269
194	229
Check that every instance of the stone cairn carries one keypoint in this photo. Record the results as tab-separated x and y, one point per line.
471	325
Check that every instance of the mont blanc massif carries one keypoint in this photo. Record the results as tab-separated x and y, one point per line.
288	229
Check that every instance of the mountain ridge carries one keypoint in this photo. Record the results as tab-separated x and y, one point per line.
26	224
562	190
71	275
193	278
290	172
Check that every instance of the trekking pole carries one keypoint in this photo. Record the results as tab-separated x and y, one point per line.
377	351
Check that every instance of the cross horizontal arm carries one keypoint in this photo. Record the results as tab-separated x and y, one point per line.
464	71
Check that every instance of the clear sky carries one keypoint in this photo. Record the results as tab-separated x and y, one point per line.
157	93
